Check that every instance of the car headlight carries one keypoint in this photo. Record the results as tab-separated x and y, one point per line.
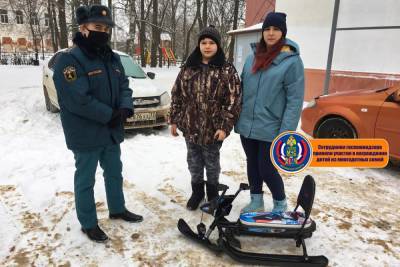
165	99
311	104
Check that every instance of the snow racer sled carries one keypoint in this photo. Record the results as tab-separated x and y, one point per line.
291	225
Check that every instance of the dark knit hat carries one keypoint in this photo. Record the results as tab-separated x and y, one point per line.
94	13
210	32
276	19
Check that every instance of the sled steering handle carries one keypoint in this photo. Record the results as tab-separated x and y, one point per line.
242	187
222	187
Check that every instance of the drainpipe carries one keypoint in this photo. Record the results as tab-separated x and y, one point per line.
331	47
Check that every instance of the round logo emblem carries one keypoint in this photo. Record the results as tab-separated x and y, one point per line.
291	152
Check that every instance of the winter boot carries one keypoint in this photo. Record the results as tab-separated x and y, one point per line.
256	204
212	191
127	216
279	205
196	197
96	234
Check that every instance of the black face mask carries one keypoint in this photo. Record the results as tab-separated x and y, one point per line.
98	38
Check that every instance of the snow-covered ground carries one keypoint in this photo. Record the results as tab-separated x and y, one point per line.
356	210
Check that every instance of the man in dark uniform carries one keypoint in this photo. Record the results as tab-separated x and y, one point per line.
95	100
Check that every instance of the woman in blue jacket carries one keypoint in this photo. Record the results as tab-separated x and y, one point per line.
273	92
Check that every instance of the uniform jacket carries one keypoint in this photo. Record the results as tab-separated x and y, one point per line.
90	84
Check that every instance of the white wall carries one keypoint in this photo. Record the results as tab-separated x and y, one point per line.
309	24
369	13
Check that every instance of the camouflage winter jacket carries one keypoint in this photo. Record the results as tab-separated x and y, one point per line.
206	99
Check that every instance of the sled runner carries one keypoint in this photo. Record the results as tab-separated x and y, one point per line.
291	225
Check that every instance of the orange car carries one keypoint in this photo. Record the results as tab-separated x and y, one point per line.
356	114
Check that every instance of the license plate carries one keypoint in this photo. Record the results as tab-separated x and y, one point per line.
145	116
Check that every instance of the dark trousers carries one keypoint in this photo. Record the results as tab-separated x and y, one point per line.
260	168
204	156
84	180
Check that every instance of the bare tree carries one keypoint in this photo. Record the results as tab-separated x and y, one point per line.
161	28
204	15
143	13
154	35
174	21
51	24
189	32
147	19
198	8
222	15
63	23
184	26
33	11
157	27
111	7
234	27
142	38
55	26
132	17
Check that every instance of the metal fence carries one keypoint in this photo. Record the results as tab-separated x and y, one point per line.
20	58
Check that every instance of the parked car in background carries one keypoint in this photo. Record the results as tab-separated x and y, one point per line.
356	114
150	102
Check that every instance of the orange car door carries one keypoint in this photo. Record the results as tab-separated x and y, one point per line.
388	126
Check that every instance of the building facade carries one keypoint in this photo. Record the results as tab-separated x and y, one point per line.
366	38
15	28
256	10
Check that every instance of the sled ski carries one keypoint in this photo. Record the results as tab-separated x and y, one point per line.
290	225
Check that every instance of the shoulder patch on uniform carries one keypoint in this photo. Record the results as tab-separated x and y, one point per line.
70	73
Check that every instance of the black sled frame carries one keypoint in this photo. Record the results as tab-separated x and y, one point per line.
227	230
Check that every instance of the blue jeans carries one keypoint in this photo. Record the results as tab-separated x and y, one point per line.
260	168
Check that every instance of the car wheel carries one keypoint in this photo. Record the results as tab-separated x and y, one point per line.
49	106
335	128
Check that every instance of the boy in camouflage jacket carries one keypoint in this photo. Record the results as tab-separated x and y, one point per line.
206	102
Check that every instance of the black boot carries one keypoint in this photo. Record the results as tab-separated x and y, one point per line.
127	216
196	197
212	191
96	234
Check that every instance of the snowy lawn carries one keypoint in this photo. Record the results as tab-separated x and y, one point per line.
356	210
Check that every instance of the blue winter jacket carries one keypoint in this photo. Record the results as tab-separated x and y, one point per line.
272	98
88	90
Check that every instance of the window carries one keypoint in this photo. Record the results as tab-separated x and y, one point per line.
3	16
46	20
34	19
19	17
131	68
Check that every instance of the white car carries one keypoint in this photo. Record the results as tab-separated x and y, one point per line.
151	103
